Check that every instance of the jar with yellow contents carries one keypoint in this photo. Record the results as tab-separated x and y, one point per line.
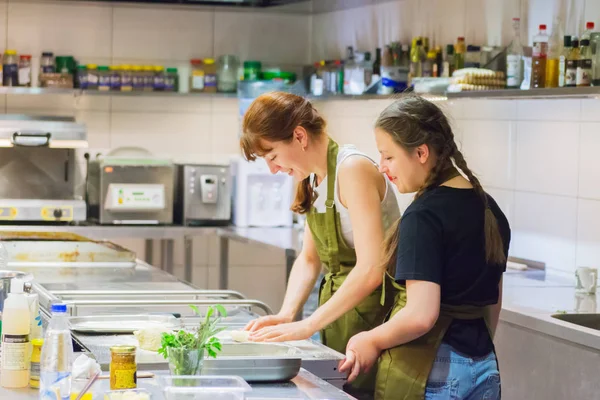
123	369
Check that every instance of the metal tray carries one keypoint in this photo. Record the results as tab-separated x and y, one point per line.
253	369
122	323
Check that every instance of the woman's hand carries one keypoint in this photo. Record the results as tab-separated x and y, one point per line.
361	354
268	320
300	330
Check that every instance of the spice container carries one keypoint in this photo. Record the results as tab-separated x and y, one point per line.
210	75
227	74
10	69
25	70
252	70
34	372
82	77
126	78
197	76
137	78
47	65
123	368
115	78
92	76
148	75
103	78
171	80
159	78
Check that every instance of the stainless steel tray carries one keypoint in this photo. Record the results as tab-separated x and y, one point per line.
122	323
253	369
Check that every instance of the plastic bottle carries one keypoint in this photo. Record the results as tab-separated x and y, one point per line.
15	338
587	34
57	352
538	59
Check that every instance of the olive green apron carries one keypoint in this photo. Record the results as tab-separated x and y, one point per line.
339	259
403	370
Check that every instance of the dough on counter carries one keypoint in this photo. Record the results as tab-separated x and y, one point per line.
240	336
150	338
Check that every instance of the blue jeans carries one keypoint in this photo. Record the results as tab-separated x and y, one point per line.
456	376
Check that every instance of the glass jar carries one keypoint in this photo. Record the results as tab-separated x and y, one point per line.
82	77
92	76
148	74
196	76
171	80
103	78
123	368
137	78
252	70
227	74
159	78
10	70
126	78
210	75
47	65
115	78
25	70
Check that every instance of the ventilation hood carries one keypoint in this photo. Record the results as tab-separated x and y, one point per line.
234	3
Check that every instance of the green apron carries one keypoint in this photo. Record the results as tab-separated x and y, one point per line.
339	259
403	370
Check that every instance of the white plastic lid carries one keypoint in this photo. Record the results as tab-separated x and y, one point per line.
16	285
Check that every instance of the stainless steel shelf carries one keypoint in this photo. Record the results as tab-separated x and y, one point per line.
591	92
79	92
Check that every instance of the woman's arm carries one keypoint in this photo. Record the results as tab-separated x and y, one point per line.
494	311
303	276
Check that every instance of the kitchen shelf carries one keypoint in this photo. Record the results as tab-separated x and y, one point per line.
79	92
591	92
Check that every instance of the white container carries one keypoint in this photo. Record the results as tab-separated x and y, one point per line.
204	387
57	353
16	353
129	394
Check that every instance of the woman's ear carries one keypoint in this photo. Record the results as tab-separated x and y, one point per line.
301	137
422	153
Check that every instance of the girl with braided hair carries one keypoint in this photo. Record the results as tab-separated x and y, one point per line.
444	262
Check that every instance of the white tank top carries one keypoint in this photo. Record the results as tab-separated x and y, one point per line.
389	204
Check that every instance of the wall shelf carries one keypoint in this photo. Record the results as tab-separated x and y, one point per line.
591	92
79	92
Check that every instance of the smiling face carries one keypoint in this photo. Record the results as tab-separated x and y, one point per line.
408	169
289	157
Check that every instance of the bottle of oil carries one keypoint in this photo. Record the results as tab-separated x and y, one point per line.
572	62
584	66
459	53
539	57
554	51
562	61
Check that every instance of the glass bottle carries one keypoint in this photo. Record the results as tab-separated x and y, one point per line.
514	58
562	61
584	66
572	61
460	48
539	57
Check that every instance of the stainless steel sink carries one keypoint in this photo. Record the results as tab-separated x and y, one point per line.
587	320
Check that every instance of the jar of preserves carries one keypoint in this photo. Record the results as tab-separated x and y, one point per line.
126	78
25	70
103	78
10	69
137	78
171	80
47	65
210	75
196	76
92	77
115	78
123	369
227	73
159	78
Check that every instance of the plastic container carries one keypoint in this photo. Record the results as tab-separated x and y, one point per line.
252	70
126	78
539	56
122	367
130	394
103	78
47	65
25	70
227	74
92	76
10	69
115	78
57	352
171	80
204	387
137	78
159	78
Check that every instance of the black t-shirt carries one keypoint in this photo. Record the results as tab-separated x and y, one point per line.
442	241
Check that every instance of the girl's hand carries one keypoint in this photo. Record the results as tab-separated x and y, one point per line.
361	354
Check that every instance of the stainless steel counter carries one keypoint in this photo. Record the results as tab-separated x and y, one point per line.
304	386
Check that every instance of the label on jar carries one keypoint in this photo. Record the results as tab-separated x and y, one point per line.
210	80
159	82
47	69
92	79
169	83
148	82
513	70
571	75
584	73
15	352
137	82
126	82
25	76
115	81
198	80
104	82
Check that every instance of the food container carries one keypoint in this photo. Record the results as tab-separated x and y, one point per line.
204	387
252	70
123	368
131	394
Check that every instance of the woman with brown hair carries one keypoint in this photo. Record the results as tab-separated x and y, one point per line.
348	204
445	261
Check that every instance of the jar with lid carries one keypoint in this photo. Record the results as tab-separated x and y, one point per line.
25	70
210	75
92	76
115	78
159	78
148	75
123	368
171	80
137	78
47	65
252	70
103	78
10	69
82	77
196	76
227	74
126	78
